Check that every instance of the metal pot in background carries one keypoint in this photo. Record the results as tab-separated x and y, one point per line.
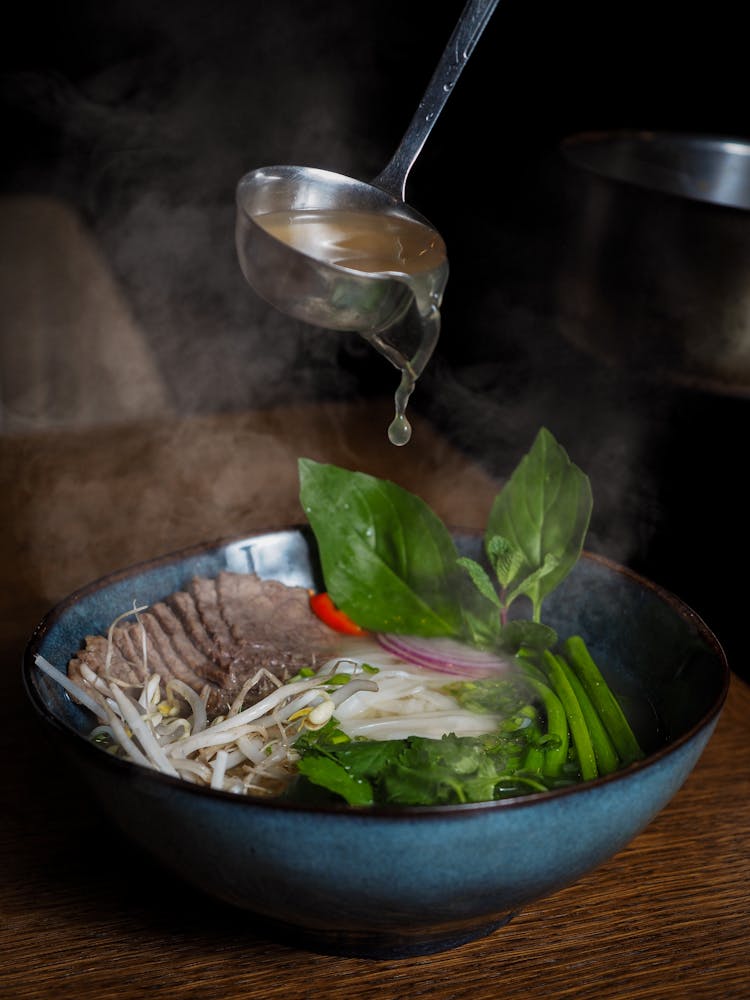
653	286
656	271
610	302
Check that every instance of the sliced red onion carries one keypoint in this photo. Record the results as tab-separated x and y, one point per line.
444	655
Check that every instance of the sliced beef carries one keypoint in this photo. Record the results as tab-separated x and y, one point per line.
269	610
168	661
94	655
272	627
217	634
197	665
245	602
204	593
187	613
129	644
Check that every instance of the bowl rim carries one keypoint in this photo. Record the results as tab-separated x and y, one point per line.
129	769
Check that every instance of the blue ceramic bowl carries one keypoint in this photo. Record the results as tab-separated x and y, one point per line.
395	882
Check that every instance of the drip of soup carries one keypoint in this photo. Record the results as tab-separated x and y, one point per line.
375	243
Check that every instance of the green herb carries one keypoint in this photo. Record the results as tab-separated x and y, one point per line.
417	770
391	565
528	752
491	695
388	561
538	523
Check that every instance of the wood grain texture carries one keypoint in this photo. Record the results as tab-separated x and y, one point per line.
83	915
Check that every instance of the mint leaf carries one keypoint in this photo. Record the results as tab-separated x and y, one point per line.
480	578
529	585
505	557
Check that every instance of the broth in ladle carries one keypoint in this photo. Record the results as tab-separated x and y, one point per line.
377	243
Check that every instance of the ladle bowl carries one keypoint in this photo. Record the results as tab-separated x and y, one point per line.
302	286
331	295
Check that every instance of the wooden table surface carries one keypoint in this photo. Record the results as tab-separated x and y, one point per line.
84	915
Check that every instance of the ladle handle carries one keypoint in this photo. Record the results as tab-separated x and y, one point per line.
470	25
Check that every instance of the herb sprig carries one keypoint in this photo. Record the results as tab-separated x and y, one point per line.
391	565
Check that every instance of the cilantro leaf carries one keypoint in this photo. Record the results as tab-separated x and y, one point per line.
328	774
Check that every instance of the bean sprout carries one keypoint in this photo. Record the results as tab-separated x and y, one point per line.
250	750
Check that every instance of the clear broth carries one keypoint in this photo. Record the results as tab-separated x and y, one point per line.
376	243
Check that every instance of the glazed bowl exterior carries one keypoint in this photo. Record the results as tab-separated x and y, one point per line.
393	882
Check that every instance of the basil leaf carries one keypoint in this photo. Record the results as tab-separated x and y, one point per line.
388	561
543	511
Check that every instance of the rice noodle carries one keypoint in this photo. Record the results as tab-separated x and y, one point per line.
408	702
399	727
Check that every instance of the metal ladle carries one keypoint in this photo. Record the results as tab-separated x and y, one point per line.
331	295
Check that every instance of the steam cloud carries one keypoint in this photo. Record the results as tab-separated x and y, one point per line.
147	142
152	142
154	113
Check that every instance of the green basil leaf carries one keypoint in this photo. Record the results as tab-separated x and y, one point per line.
388	561
543	511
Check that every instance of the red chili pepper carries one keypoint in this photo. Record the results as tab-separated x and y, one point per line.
326	610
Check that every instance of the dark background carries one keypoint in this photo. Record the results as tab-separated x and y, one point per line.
145	115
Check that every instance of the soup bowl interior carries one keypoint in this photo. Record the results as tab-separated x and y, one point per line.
393	882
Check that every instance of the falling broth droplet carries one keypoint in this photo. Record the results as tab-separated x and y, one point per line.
399	432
